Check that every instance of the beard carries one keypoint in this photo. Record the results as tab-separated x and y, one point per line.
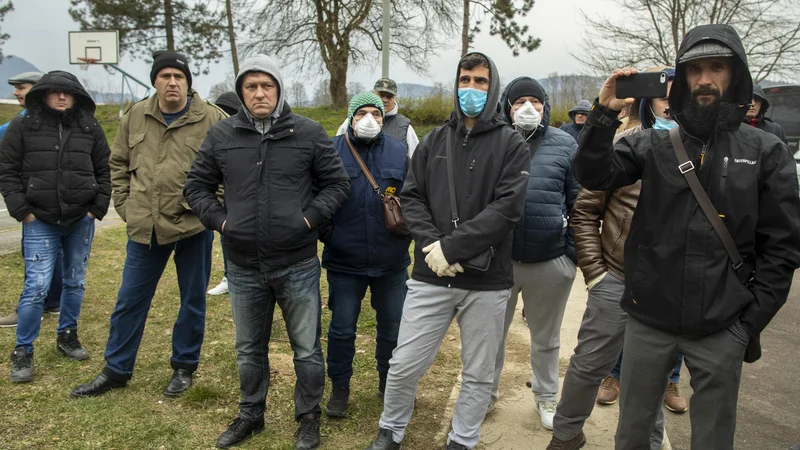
701	118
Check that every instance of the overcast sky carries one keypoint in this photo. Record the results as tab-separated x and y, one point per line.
39	29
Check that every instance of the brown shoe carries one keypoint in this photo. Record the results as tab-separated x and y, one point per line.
674	400
609	391
573	444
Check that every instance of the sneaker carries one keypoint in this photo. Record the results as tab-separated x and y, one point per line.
308	433
67	344
21	365
453	445
53	311
9	321
384	441
609	391
239	431
674	400
220	289
547	410
337	404
573	444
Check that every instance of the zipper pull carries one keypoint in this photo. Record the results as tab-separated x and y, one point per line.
472	165
702	156
725	166
466	137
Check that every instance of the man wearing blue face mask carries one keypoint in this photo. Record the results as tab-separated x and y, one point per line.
462	266
361	252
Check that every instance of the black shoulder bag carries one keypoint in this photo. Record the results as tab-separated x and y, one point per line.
481	262
686	166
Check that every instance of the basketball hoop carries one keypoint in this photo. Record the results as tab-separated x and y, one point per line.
86	62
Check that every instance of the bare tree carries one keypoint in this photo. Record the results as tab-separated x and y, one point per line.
297	94
219	89
649	32
344	33
322	95
354	87
502	16
4	9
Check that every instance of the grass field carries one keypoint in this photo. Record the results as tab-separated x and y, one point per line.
42	415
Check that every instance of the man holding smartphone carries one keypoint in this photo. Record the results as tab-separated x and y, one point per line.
682	293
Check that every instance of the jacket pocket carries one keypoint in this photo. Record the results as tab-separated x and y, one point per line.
620	232
193	143
289	231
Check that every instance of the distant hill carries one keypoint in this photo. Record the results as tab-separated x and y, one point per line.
411	90
11	66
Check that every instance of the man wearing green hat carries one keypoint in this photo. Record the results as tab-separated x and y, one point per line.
361	252
395	125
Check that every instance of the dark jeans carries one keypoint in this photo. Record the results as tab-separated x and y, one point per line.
253	297
144	265
675	377
345	293
42	243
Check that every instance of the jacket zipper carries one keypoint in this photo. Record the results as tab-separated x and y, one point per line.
58	165
703	156
471	171
724	176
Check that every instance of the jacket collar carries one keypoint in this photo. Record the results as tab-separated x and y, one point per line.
281	127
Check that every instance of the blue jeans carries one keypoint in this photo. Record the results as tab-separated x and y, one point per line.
41	244
253	296
144	265
345	293
53	300
674	378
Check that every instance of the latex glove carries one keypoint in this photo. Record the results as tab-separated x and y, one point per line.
595	281
453	270
435	258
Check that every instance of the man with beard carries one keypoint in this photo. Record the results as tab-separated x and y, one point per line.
682	291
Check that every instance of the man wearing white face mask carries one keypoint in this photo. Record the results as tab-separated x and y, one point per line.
360	252
543	251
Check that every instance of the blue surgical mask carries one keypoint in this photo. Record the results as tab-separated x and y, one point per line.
664	124
471	101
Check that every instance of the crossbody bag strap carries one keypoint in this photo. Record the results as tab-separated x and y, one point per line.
451	180
686	167
367	173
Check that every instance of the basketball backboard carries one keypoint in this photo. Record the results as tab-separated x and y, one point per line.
101	47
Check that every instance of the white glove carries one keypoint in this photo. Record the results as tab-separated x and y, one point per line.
435	259
453	270
595	281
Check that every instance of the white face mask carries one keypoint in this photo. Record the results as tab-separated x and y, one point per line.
367	127
527	118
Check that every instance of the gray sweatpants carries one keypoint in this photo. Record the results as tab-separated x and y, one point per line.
599	343
715	368
427	314
545	288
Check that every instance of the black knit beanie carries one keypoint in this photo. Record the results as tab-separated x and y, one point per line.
524	88
165	58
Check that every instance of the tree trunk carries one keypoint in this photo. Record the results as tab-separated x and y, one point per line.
465	29
168	24
232	37
338	83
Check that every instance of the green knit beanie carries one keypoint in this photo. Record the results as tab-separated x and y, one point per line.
363	99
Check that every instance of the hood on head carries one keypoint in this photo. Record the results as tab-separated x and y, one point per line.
229	102
505	107
583	107
61	81
261	63
741	89
492	96
759	93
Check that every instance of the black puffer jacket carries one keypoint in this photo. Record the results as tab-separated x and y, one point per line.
678	276
55	164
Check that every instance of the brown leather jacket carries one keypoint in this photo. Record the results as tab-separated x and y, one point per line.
603	250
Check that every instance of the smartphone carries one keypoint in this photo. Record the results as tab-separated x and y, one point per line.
643	85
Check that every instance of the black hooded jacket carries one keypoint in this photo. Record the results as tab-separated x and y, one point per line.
762	122
491	169
55	164
678	274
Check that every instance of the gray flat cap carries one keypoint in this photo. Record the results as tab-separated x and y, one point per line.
706	49
25	77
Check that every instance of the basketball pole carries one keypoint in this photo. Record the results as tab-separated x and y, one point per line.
125	77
